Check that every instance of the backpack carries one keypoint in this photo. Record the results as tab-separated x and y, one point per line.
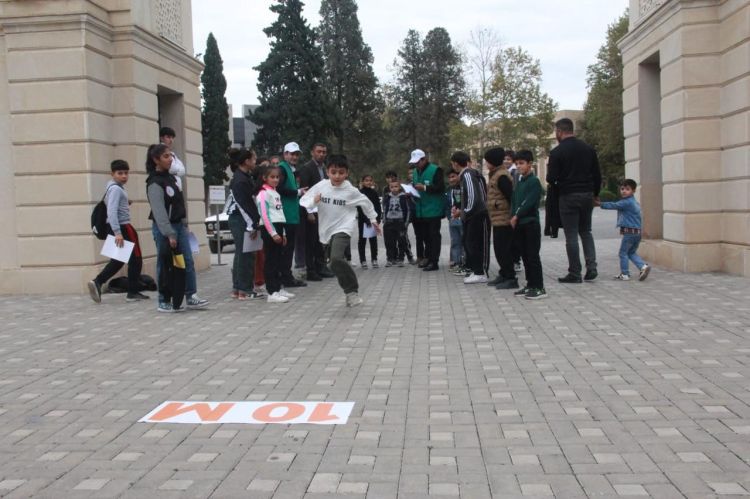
99	225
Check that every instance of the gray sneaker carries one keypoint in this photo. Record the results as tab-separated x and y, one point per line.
95	291
195	302
165	308
353	300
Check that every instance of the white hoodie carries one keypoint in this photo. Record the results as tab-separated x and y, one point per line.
337	209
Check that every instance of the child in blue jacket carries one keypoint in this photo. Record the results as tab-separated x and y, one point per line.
629	222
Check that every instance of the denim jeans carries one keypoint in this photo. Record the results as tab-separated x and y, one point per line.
457	248
629	252
183	242
575	213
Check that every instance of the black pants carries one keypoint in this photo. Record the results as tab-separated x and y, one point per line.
529	237
394	233
502	242
314	256
420	236
362	244
575	213
477	243
171	277
274	254
135	263
430	229
287	253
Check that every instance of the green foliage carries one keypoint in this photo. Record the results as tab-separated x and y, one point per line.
214	116
427	96
350	81
293	103
603	114
607	195
523	114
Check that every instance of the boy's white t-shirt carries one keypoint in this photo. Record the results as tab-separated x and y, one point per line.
337	209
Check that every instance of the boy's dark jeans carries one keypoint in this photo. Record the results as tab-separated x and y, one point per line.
344	272
529	236
575	214
394	233
502	242
243	266
135	263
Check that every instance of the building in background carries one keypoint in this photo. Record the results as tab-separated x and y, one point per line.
244	129
81	84
687	130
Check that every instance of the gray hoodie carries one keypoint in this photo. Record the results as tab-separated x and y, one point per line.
118	209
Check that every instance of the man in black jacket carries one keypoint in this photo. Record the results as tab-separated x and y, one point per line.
574	170
309	175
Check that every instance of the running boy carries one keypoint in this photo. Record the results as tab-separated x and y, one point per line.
526	226
118	218
337	201
629	222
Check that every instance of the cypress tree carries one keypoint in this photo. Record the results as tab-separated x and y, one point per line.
214	116
407	93
350	81
293	104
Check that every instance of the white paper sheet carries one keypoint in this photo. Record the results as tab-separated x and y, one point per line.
409	189
110	249
194	246
368	232
249	245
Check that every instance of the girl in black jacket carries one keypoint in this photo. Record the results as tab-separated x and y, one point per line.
243	221
366	188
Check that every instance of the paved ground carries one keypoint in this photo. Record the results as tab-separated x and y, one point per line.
606	389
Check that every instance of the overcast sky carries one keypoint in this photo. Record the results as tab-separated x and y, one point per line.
564	36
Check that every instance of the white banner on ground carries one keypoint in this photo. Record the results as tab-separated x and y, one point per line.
191	412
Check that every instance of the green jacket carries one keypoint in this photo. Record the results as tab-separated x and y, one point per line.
429	204
526	197
289	196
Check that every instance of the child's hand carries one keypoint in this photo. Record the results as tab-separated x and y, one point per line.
284	241
172	242
254	234
514	222
317	198
119	241
378	230
597	201
277	239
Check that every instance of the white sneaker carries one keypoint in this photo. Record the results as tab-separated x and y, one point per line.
277	298
353	300
260	291
475	279
644	272
286	294
622	277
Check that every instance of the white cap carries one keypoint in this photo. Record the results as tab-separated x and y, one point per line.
292	147
416	155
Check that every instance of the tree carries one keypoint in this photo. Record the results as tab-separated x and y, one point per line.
523	114
293	104
603	113
407	93
350	81
214	116
485	47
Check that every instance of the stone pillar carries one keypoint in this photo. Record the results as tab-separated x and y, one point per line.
81	83
698	50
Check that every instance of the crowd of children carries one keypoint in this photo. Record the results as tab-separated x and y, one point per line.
266	205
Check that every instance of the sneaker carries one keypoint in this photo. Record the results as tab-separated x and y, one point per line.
286	294
389	263
325	273
644	272
432	267
497	280
235	294
294	283
590	275
165	307
475	279
411	260
277	298
353	300
521	292
242	296
179	309
536	294
95	291
131	297
400	263
422	263
260	291
375	264
508	284
570	279
313	276
460	271
622	277
363	265
195	302
517	267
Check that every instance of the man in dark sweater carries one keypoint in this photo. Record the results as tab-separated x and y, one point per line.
310	174
573	169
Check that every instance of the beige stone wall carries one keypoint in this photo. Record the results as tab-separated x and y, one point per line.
699	51
78	88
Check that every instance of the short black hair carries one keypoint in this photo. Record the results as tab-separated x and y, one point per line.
318	144
391	173
565	125
166	131
525	155
339	161
119	165
630	183
461	158
511	153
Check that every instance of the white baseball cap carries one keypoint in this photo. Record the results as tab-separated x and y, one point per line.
292	147
416	155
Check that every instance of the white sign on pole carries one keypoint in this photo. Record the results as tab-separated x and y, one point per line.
216	194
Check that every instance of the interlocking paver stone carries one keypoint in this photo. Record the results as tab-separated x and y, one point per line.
603	389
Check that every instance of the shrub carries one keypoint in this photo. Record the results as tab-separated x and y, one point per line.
605	195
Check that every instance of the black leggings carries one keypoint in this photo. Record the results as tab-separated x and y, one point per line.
362	244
